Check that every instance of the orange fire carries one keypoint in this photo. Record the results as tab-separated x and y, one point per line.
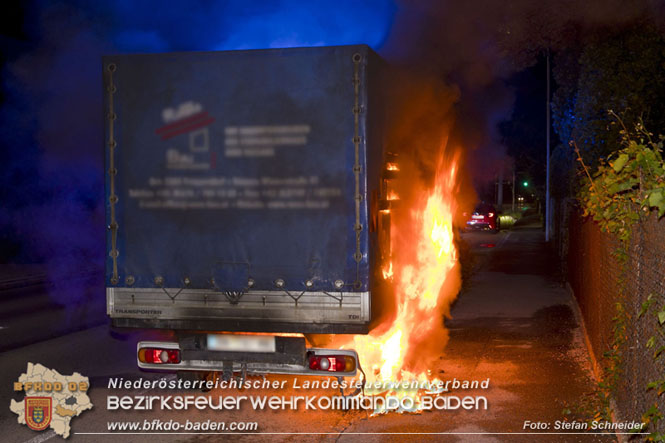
392	167
388	272
426	282
392	195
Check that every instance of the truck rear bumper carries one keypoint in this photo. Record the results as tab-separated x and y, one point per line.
289	357
254	311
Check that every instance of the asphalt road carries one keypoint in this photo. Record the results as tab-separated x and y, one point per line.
513	323
36	306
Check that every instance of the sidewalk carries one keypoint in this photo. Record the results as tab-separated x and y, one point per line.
515	324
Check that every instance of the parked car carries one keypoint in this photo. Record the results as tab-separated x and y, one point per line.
484	217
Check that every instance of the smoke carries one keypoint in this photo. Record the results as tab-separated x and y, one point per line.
452	92
51	188
51	119
477	46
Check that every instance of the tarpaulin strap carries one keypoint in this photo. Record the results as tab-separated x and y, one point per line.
112	171
172	297
295	297
358	256
233	296
340	299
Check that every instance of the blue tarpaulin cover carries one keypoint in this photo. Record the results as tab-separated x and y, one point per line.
238	165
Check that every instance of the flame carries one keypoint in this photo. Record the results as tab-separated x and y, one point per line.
426	283
392	167
392	195
388	272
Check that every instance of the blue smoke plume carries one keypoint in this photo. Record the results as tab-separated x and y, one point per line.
51	120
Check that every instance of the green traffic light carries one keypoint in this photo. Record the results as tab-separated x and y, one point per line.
525	184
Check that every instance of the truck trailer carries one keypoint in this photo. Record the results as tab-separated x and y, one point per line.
246	205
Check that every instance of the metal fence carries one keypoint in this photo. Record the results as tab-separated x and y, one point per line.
595	275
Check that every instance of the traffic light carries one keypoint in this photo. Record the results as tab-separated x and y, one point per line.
525	184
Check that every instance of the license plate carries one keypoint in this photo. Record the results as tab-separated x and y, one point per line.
241	343
477	217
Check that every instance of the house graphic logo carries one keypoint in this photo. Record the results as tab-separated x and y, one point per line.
193	152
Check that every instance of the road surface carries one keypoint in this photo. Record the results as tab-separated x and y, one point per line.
514	324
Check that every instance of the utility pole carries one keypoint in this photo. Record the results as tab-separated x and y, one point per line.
513	189
499	196
548	208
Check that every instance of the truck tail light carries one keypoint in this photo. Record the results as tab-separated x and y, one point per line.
159	355
332	363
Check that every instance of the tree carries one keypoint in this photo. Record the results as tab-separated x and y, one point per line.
619	71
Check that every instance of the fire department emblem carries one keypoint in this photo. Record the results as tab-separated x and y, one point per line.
38	412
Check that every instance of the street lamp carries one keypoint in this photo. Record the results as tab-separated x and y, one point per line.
548	208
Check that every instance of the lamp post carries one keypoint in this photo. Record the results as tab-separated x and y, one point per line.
547	175
513	200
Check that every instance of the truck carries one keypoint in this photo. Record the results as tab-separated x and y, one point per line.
246	205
